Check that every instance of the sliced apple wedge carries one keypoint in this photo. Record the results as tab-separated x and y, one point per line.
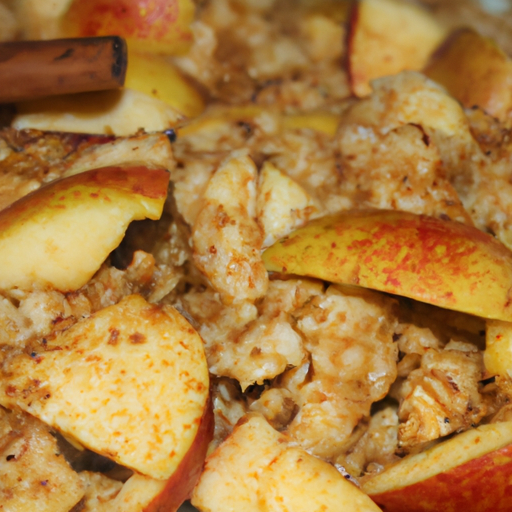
130	383
60	234
440	262
299	482
155	97
471	472
155	76
281	204
159	26
498	348
145	494
119	112
475	71
275	477
386	37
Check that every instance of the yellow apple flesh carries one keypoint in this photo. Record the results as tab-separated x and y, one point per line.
472	472
119	112
256	470
130	382
155	76
222	117
59	235
498	348
144	494
386	37
475	71
158	26
440	262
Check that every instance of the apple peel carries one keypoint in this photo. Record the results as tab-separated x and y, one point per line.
59	235
472	472
145	494
440	262
130	382
157	26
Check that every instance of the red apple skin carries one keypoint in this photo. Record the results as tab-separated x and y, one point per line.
444	263
132	179
179	486
60	234
159	26
480	485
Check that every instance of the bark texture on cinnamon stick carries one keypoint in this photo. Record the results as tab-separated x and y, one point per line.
34	69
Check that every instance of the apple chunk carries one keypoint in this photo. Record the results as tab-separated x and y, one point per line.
440	262
256	470
386	37
60	234
145	494
158	78
159	26
130	382
121	111
498	348
475	71
471	472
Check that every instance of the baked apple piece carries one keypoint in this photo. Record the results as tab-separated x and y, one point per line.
130	383
156	96
155	76
119	112
386	37
255	469
475	71
159	26
498	348
59	235
444	263
472	472
141	493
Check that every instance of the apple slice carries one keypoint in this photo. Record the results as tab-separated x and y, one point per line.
155	97
159	26
155	76
60	234
300	482
471	472
154	149
144	494
218	120
130	382
440	262
386	37
475	71
179	486
281	204
119	112
498	348
323	122
255	469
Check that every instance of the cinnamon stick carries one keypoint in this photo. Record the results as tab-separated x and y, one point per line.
33	69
